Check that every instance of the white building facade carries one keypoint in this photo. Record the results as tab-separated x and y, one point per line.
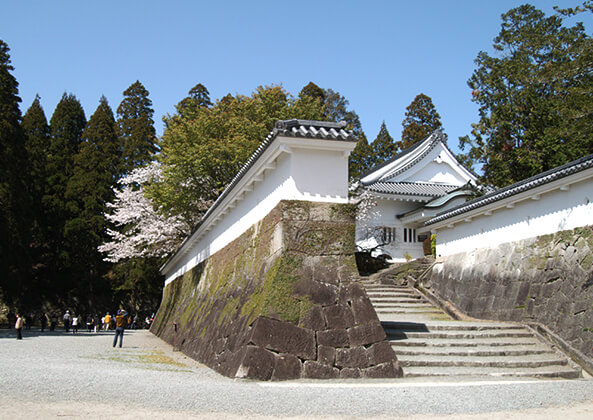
406	191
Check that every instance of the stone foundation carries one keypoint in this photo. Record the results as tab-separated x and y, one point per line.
281	302
548	279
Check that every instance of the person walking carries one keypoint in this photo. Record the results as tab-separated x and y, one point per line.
75	320
120	322
43	321
66	319
107	321
18	325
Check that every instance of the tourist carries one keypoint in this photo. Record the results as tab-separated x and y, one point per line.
18	325
43	321
120	322
98	322
75	320
66	319
53	322
89	322
107	321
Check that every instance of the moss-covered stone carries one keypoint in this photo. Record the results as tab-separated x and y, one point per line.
286	268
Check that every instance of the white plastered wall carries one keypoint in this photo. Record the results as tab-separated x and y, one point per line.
553	211
299	169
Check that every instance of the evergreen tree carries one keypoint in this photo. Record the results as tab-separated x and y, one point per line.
198	97
360	158
96	170
313	91
420	121
533	96
37	141
14	201
66	126
383	147
136	127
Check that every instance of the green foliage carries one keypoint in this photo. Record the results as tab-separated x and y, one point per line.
433	244
96	170
204	147
360	158
136	127
137	283
420	121
383	147
533	96
14	200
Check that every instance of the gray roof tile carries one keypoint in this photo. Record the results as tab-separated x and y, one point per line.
424	189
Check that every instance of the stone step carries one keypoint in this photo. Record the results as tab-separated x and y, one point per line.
403	305
565	372
391	298
508	342
423	310
451	326
523	361
477	351
499	334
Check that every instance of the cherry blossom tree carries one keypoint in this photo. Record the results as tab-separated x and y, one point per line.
140	229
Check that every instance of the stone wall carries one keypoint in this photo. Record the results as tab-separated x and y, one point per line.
548	279
281	302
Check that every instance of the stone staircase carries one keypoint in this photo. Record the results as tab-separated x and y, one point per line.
428	343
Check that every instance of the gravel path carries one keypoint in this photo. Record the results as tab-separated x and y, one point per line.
51	375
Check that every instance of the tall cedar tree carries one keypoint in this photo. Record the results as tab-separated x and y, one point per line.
66	126
533	96
37	142
136	127
383	147
198	97
96	171
14	200
360	159
203	149
421	119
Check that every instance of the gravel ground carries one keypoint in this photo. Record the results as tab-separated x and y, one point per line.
51	375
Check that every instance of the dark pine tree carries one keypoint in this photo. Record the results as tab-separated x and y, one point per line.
136	127
14	200
96	170
311	90
383	147
359	161
37	142
198	97
421	120
66	126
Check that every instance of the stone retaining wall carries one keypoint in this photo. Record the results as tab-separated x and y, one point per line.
548	279
281	302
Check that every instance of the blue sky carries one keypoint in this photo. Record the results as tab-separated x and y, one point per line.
378	54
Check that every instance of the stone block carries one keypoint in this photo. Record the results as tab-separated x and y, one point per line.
257	363
288	366
326	355
347	373
338	316
316	370
349	292
313	319
320	293
366	334
384	370
333	338
284	337
381	352
355	357
363	310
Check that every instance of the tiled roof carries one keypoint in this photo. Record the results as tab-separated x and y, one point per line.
412	188
519	187
313	129
434	138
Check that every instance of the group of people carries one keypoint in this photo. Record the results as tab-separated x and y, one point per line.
118	322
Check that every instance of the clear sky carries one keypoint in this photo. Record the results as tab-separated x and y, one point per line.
378	54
